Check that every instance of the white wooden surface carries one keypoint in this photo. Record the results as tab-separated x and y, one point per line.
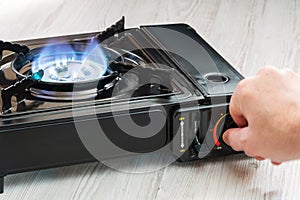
249	33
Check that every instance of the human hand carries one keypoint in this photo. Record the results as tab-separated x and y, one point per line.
266	109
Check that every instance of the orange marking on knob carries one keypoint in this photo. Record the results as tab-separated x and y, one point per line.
217	142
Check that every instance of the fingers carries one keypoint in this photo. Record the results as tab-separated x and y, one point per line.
237	116
235	107
234	138
239	140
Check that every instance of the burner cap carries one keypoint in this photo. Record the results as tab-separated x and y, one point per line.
71	71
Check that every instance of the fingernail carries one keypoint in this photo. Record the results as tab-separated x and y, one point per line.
259	158
276	163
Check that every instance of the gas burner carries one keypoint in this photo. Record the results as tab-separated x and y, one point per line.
66	65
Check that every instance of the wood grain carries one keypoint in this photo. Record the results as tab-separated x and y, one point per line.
249	33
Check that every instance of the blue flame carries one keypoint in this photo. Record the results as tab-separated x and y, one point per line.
64	63
38	75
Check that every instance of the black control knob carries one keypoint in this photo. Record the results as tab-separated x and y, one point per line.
223	123
229	123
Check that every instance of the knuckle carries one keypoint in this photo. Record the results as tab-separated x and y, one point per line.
288	72
243	89
267	70
242	85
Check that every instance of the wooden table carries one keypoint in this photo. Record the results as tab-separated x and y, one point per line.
249	33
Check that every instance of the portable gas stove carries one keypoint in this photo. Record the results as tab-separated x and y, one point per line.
161	72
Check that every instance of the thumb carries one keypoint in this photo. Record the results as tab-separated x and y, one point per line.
232	137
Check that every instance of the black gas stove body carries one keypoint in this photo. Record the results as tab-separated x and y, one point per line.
177	76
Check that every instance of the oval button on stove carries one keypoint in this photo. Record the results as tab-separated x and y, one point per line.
217	78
